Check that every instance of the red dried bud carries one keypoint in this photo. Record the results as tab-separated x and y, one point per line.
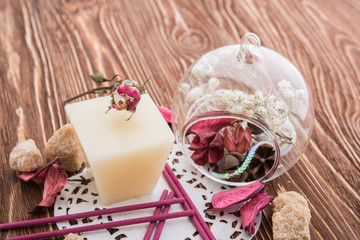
239	142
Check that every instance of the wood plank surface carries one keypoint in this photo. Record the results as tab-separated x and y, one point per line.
48	49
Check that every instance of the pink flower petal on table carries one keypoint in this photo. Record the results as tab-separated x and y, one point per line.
225	199
249	211
55	181
39	176
168	115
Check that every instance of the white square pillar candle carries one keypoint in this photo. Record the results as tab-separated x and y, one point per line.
126	158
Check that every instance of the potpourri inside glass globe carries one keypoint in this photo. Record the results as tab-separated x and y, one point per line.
243	113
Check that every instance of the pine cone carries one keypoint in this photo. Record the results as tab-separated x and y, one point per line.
261	163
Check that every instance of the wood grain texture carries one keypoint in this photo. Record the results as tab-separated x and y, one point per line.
49	47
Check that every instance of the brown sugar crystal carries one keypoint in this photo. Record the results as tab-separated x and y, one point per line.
291	217
72	236
65	144
291	197
26	157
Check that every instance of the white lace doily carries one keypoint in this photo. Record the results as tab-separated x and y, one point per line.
80	197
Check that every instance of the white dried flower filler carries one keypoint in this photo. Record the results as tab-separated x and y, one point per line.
259	105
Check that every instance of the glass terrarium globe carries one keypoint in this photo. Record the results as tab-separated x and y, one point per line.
243	113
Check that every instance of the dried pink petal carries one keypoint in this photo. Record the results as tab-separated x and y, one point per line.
168	115
200	157
207	147
211	125
249	211
227	198
55	180
39	176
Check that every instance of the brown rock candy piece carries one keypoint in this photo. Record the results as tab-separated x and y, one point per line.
65	144
290	197
291	216
261	163
72	236
290	223
26	157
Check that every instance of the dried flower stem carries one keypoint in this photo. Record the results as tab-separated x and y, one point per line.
112	79
96	90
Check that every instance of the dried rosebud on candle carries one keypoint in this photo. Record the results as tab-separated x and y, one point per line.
126	96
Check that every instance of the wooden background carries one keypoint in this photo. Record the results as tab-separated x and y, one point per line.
49	47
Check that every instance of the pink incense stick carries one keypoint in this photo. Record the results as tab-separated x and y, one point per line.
89	214
100	226
194	218
157	211
189	202
161	224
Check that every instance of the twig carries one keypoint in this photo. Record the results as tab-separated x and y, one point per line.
88	92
